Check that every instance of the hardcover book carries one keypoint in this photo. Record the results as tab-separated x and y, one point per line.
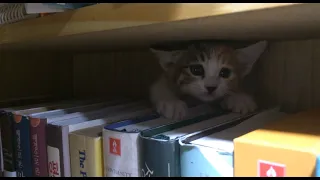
121	142
209	153
58	139
86	145
287	147
38	123
159	147
23	144
8	135
21	127
8	138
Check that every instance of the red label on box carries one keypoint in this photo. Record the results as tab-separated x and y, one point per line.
115	146
270	169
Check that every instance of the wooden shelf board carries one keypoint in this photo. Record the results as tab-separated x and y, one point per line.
111	25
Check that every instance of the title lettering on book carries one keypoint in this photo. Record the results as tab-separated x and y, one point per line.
118	172
82	158
19	154
147	171
53	162
115	146
7	157
54	169
35	151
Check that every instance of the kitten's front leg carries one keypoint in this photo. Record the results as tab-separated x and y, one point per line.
167	104
239	102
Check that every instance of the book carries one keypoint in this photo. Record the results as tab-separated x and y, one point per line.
1	157
58	139
6	124
38	123
21	128
159	147
287	147
14	12
209	153
68	5
86	155
121	142
37	8
8	138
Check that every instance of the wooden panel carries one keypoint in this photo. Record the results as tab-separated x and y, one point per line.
289	74
25	74
114	73
107	16
130	25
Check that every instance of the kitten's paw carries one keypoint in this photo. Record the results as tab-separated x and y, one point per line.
240	103
172	109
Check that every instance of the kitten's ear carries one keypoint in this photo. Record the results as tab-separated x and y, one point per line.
167	58
249	55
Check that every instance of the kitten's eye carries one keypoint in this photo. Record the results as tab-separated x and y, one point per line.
225	72
196	70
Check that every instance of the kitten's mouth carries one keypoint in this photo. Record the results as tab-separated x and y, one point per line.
207	97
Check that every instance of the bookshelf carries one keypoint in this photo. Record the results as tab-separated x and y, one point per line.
124	25
102	50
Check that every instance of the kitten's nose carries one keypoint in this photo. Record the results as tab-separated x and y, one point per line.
210	89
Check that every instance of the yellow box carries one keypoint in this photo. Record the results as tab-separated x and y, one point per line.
288	147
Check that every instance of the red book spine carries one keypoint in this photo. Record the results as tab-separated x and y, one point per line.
39	147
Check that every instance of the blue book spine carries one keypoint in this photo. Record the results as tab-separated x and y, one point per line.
22	146
202	161
317	170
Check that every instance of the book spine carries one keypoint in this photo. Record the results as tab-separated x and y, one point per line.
78	156
69	5
96	163
154	162
86	156
119	146
120	154
39	147
1	153
57	165
23	148
193	162
8	137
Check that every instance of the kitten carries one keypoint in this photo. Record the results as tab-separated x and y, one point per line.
207	73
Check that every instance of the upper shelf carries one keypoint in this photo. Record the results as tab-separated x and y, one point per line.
137	24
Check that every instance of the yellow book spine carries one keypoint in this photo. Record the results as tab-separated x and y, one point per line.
95	162
85	156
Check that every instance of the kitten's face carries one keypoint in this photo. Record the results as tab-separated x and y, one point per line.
208	73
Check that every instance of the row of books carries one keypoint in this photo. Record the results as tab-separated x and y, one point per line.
13	12
126	138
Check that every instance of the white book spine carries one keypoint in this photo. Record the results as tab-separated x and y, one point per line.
121	148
